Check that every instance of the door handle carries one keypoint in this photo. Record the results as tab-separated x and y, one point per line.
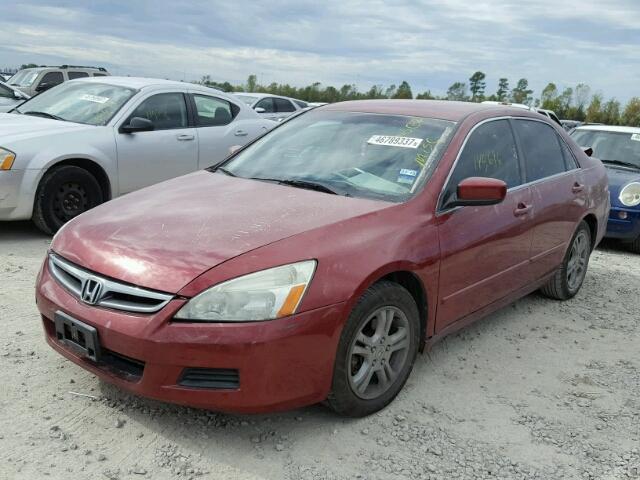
185	137
522	209
577	187
241	133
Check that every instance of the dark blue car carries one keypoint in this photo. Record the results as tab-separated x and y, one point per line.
619	150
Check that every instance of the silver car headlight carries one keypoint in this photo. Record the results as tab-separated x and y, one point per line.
630	195
7	157
264	295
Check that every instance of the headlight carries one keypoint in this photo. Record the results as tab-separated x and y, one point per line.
264	295
6	159
630	195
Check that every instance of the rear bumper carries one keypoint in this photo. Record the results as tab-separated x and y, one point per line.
623	229
282	364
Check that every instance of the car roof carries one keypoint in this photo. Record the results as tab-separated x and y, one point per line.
262	95
610	128
142	82
442	109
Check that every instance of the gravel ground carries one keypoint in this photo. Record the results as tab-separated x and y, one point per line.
540	389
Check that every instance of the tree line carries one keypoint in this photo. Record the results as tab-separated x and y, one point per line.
577	103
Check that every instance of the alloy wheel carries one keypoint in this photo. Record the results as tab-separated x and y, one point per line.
578	259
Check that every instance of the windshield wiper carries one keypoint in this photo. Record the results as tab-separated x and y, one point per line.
298	183
45	114
622	163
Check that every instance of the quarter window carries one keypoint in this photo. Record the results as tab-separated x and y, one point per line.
213	111
489	152
6	92
541	149
165	110
283	105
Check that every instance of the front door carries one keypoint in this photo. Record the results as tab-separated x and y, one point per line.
168	151
485	250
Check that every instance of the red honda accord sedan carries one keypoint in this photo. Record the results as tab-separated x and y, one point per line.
313	264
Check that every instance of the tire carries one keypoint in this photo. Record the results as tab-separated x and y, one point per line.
567	280
634	246
64	193
358	387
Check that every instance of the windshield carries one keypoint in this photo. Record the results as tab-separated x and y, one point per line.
24	78
246	99
612	146
387	157
81	102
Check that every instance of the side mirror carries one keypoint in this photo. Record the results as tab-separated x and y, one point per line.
588	151
44	86
137	124
480	191
259	110
18	95
234	148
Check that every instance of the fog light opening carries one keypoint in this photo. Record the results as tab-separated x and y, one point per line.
623	215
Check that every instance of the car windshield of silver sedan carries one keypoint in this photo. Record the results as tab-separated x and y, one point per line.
616	148
24	78
80	102
386	157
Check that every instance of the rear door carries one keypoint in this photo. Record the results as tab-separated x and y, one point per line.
485	249
559	196
170	150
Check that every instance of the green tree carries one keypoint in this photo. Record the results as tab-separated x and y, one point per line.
425	96
503	89
631	115
549	97
477	86
457	91
28	65
390	91
521	93
252	83
611	112
594	110
404	91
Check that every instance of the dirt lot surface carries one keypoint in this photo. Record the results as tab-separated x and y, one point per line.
541	389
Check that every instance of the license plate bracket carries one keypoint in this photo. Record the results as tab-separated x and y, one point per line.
77	335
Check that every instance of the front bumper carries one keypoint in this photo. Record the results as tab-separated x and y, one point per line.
282	364
623	229
17	191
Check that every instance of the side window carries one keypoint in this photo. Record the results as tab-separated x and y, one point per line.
73	75
6	92
212	111
541	148
491	152
301	104
284	105
52	79
267	104
569	160
99	75
165	110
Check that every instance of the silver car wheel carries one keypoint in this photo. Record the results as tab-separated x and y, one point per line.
578	260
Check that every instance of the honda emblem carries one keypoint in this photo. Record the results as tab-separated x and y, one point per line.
91	291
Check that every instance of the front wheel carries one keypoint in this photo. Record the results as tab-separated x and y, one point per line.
376	352
568	279
64	193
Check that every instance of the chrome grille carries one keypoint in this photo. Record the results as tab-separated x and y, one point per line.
94	289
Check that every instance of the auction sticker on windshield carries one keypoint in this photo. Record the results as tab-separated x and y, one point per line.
393	141
94	98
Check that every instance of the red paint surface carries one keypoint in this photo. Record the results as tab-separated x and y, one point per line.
190	233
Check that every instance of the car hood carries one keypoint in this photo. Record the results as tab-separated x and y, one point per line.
15	127
164	236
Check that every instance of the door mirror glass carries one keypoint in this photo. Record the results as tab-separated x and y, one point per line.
259	110
43	86
480	191
137	124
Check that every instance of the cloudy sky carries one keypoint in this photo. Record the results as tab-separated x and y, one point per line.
429	43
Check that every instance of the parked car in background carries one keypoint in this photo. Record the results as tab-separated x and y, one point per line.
619	150
10	97
270	106
5	76
89	140
547	113
316	262
569	125
38	79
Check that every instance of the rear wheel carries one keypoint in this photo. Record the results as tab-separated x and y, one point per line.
376	352
64	193
568	279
